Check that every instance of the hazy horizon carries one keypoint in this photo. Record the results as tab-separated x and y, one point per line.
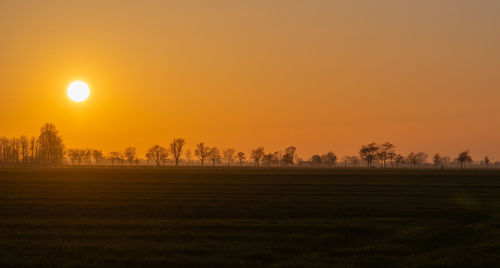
319	75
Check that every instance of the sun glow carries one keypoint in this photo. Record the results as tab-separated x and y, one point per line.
78	91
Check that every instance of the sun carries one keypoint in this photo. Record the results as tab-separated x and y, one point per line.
78	91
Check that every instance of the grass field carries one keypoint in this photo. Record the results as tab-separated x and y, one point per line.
249	217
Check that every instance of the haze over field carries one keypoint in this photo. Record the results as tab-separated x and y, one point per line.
320	75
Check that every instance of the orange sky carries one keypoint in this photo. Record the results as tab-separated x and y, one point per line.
321	75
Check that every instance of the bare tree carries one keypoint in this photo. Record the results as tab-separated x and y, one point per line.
241	157
87	156
399	160
316	160
176	149
130	155
229	155
386	151
368	153
202	152
355	160
114	156
329	158
257	155
268	159
24	144
214	155
73	155
289	156
444	161
33	149
346	159
15	150
486	161
463	158
51	147
98	156
436	159
158	154
188	154
416	158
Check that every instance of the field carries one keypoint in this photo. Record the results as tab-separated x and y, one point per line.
249	217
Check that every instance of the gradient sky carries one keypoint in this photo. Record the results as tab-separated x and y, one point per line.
321	75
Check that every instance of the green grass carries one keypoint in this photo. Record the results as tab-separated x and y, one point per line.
249	217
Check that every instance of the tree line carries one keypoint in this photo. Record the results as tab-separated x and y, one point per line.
48	148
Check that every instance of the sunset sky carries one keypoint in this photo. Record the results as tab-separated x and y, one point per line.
320	75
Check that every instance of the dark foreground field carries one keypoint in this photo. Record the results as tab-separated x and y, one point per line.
247	217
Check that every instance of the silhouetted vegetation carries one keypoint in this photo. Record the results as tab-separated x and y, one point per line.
48	149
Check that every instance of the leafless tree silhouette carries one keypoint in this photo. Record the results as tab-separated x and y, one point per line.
368	153
98	156
241	157
201	152
386	151
444	161
74	156
229	155
463	158
24	146
176	149
346	159
51	147
114	156
188	155
130	155
399	160
329	159
436	159
257	155
316	160
486	161
214	155
158	154
289	156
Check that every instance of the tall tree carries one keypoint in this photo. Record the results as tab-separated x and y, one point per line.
229	155
241	157
436	159
188	154
268	159
289	156
386	151
257	155
486	161
399	160
329	158
51	147
214	155
444	161
130	155
24	146
202	152
316	160
158	154
346	159
368	153
33	149
74	156
176	149
114	156
463	158
98	156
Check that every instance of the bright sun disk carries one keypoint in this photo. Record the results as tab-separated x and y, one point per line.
78	91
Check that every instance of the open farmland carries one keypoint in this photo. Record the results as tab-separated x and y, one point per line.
248	217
